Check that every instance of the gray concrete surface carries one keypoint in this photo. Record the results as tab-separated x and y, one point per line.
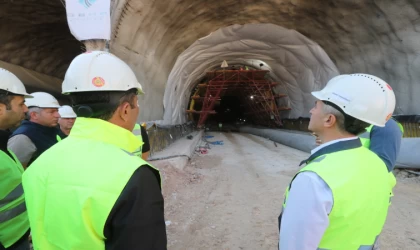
180	152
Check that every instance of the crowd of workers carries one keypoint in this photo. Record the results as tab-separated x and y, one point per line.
84	183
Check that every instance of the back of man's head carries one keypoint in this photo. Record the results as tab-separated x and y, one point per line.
355	101
100	85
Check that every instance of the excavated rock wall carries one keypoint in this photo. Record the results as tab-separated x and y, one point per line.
376	37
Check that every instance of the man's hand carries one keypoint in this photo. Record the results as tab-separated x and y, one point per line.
317	140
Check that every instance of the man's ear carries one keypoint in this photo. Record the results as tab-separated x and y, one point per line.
2	108
330	120
123	110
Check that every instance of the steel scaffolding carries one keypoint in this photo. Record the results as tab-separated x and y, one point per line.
251	85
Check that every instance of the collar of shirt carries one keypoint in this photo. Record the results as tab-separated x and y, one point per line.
331	142
333	146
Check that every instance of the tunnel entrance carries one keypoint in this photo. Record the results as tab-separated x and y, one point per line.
236	96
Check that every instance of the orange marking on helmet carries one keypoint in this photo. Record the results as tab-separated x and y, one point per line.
98	81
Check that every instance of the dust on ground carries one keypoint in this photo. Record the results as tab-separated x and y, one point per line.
230	198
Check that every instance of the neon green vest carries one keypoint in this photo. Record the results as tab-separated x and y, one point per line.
356	178
137	132
14	221
71	189
365	137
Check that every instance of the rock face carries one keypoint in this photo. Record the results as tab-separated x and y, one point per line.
34	36
376	37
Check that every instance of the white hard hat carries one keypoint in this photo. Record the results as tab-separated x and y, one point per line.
10	83
42	100
99	71
66	112
365	97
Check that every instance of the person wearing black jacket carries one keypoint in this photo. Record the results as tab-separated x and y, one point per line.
38	132
90	191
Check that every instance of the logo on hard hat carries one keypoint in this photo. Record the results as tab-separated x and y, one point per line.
87	3
389	86
98	81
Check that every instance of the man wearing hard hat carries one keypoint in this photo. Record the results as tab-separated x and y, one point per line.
103	196
14	223
66	121
38	132
340	199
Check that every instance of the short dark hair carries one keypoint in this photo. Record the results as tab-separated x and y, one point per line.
101	105
355	126
6	98
345	122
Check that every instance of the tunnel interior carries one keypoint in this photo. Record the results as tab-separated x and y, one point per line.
229	110
235	95
171	45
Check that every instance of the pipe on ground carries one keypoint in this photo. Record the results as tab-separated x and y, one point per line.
407	157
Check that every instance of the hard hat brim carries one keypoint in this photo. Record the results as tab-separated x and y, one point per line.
318	95
44	107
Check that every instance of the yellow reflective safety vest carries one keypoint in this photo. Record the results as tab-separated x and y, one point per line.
137	132
361	200
14	221
58	138
365	137
72	187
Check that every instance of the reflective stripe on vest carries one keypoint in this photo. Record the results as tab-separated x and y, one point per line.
14	194
365	137
14	221
137	133
12	213
68	206
356	178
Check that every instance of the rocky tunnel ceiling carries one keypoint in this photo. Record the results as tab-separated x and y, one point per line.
35	42
376	37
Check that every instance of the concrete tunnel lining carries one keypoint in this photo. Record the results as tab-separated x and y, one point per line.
297	63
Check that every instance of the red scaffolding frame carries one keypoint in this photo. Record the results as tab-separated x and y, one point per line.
255	89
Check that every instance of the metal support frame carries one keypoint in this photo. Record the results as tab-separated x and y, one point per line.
255	89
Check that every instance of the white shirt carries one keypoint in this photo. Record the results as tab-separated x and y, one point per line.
309	203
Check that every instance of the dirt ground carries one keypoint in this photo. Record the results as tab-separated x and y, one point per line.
230	198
